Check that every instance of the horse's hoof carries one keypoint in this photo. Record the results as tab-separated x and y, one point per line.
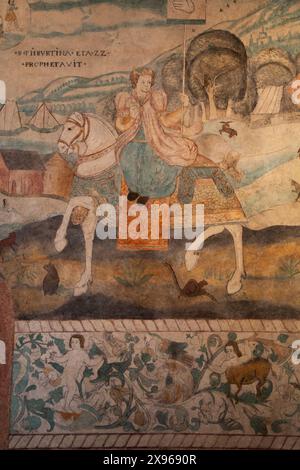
191	259
80	290
234	286
60	244
82	287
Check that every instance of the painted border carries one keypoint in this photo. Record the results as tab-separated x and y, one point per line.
153	441
166	325
160	440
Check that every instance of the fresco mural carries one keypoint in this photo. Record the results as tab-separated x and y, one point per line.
210	117
113	109
103	383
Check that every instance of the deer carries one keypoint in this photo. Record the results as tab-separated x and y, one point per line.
227	129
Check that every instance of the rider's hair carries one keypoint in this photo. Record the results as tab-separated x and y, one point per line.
135	75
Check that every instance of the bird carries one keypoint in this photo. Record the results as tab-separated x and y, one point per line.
51	280
296	189
174	350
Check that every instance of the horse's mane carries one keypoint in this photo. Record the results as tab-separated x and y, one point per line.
103	121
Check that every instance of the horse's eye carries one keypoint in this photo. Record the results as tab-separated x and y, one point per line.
69	128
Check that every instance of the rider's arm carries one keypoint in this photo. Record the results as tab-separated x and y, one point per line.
125	118
175	118
172	119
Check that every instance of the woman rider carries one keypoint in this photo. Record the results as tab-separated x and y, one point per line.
151	154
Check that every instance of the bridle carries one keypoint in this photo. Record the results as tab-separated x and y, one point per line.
84	131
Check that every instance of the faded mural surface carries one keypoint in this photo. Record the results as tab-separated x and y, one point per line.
167	102
180	102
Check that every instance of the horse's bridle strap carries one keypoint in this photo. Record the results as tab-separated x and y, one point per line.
84	129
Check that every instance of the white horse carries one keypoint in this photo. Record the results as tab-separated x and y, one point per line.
88	137
91	138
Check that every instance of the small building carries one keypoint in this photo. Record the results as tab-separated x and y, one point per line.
58	177
269	104
21	173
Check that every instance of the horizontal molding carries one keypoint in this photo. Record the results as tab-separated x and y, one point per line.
169	325
152	441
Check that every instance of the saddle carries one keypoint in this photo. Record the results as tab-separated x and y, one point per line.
189	176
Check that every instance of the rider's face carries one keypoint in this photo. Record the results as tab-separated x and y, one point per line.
144	84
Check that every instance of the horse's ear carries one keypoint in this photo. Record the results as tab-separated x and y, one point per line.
78	117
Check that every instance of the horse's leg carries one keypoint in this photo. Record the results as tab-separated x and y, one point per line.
60	240
239	388
88	228
235	283
259	386
192	255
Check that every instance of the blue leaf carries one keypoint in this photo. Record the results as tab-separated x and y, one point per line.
15	407
258	424
60	344
283	338
39	363
21	386
39	408
31	423
276	425
56	395
162	417
57	367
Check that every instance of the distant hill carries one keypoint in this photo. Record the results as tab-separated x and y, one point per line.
62	87
278	21
69	94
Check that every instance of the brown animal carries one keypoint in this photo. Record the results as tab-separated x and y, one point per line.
254	370
9	242
192	288
51	280
227	129
296	189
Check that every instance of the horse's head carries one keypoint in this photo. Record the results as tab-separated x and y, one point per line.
75	132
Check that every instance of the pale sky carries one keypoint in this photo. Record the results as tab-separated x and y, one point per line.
128	47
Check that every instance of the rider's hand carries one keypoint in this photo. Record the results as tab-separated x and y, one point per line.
187	6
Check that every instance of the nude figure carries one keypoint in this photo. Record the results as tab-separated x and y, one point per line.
74	362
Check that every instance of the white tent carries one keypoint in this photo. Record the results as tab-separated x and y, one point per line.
269	100
10	119
43	119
